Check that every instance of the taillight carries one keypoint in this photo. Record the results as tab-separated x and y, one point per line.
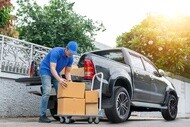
32	69
88	69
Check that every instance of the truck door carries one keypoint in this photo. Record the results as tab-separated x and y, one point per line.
158	85
141	79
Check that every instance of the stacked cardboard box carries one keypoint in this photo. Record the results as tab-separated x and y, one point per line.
91	102
74	100
73	90
71	99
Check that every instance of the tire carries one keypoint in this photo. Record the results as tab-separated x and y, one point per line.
121	106
171	112
53	112
129	115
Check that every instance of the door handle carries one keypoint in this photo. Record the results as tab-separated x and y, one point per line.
136	72
151	77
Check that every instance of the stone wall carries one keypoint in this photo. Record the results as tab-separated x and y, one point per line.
16	101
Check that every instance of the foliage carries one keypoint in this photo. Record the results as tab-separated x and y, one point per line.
6	24
5	16
5	9
165	41
55	24
4	4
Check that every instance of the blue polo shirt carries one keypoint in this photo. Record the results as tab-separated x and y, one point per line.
56	55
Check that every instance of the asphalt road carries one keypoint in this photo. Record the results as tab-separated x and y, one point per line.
132	122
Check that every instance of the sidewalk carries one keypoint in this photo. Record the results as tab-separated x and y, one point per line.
157	115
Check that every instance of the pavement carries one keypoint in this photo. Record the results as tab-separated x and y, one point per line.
134	121
35	119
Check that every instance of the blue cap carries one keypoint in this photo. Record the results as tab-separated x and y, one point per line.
72	47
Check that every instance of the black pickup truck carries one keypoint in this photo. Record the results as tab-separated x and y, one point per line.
131	83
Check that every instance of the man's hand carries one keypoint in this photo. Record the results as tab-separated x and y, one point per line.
63	82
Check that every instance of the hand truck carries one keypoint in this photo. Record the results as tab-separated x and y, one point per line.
91	118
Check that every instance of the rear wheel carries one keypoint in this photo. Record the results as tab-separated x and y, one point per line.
171	112
121	106
129	115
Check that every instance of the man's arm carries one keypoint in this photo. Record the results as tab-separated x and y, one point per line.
68	73
61	81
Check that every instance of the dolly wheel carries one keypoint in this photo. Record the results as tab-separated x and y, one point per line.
90	120
62	119
96	120
67	120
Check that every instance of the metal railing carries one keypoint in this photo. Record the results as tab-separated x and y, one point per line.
17	55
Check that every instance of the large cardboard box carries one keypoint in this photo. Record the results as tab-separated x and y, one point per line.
75	71
73	90
92	109
91	96
71	106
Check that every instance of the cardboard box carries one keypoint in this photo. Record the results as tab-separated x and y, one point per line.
75	71
72	67
78	72
91	109
91	96
73	90
71	106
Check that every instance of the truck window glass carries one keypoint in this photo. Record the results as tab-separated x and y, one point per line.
136	61
149	67
115	55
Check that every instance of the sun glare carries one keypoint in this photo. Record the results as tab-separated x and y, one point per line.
172	8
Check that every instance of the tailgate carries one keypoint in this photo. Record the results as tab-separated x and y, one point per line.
34	85
30	80
37	81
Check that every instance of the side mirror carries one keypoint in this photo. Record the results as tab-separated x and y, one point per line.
162	73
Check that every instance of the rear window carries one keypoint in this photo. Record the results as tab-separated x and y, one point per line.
115	55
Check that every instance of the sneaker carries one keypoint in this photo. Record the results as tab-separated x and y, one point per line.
44	119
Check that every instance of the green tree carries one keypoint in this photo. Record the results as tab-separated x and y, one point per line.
163	40
55	24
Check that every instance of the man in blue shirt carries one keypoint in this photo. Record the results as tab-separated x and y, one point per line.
50	68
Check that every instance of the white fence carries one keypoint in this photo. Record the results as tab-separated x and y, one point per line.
16	56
